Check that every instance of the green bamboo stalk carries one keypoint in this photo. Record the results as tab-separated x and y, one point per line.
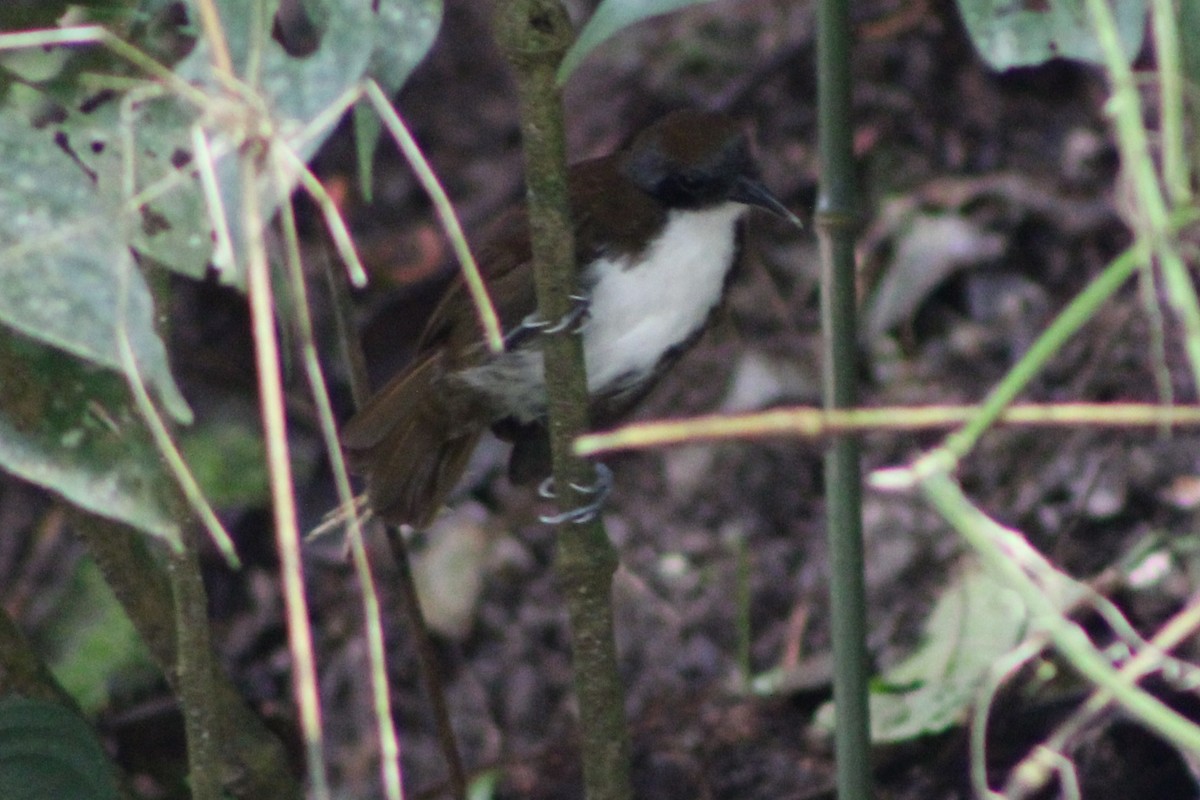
836	221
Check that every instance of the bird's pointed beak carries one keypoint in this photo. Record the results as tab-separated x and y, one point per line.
752	192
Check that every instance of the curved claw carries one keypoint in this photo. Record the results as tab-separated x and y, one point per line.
530	325
574	321
600	488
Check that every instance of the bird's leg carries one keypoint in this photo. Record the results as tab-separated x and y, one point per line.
599	490
573	321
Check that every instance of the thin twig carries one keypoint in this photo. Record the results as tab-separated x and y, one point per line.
422	641
445	211
819	423
372	618
534	35
287	533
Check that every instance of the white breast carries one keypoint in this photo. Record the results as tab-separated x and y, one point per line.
636	315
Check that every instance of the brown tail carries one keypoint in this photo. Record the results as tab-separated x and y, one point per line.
410	447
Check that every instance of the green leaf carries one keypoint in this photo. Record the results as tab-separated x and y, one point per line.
975	622
367	129
1011	34
49	753
484	784
64	266
93	644
174	227
298	90
227	457
610	17
404	32
71	427
18	15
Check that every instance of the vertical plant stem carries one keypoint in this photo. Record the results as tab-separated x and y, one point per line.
836	223
389	742
194	664
254	762
534	34
279	468
435	690
1153	213
1176	168
194	670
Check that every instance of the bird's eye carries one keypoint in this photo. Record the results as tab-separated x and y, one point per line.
686	186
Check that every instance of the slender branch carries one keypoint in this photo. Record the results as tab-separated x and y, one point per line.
534	35
996	545
427	657
488	319
214	32
254	761
372	619
194	670
194	663
287	533
170	454
1151	220
1026	780
821	423
435	690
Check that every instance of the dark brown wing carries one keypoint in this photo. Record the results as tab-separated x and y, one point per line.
612	218
402	397
411	444
413	437
455	323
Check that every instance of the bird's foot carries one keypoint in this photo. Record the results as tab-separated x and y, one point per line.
574	321
576	318
599	490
